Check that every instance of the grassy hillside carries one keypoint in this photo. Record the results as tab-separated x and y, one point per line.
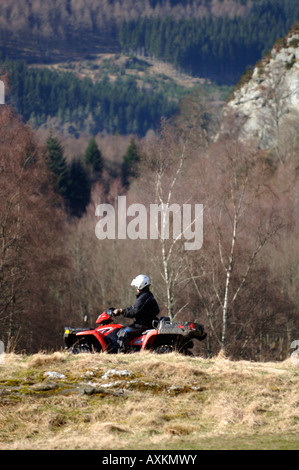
147	402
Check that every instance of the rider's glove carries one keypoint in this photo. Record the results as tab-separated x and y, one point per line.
117	311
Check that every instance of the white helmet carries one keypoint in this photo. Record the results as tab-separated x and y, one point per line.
141	281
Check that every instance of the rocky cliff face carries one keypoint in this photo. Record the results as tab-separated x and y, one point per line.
269	102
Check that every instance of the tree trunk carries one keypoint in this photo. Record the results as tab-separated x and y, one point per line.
227	285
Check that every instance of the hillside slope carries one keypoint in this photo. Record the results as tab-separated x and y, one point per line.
146	401
213	39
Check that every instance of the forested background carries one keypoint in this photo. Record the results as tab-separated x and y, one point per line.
114	107
71	141
216	40
213	38
220	48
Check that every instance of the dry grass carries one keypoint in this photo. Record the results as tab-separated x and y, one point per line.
160	402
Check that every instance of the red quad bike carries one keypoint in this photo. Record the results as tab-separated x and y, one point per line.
164	337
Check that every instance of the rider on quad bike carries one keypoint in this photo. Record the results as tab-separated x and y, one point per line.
144	311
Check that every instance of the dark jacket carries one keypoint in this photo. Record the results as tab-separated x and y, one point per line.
144	310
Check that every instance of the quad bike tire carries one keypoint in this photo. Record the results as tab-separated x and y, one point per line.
84	346
164	349
174	347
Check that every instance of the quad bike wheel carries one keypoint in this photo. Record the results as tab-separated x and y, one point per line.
175	347
84	346
164	349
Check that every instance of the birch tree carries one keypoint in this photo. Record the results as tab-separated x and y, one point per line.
241	216
165	164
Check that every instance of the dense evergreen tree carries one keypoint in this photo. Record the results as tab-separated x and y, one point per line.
71	182
79	188
93	156
58	165
129	169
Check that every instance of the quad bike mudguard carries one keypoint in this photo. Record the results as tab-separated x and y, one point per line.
75	335
149	339
93	334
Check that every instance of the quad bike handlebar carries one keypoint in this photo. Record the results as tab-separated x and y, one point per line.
110	312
